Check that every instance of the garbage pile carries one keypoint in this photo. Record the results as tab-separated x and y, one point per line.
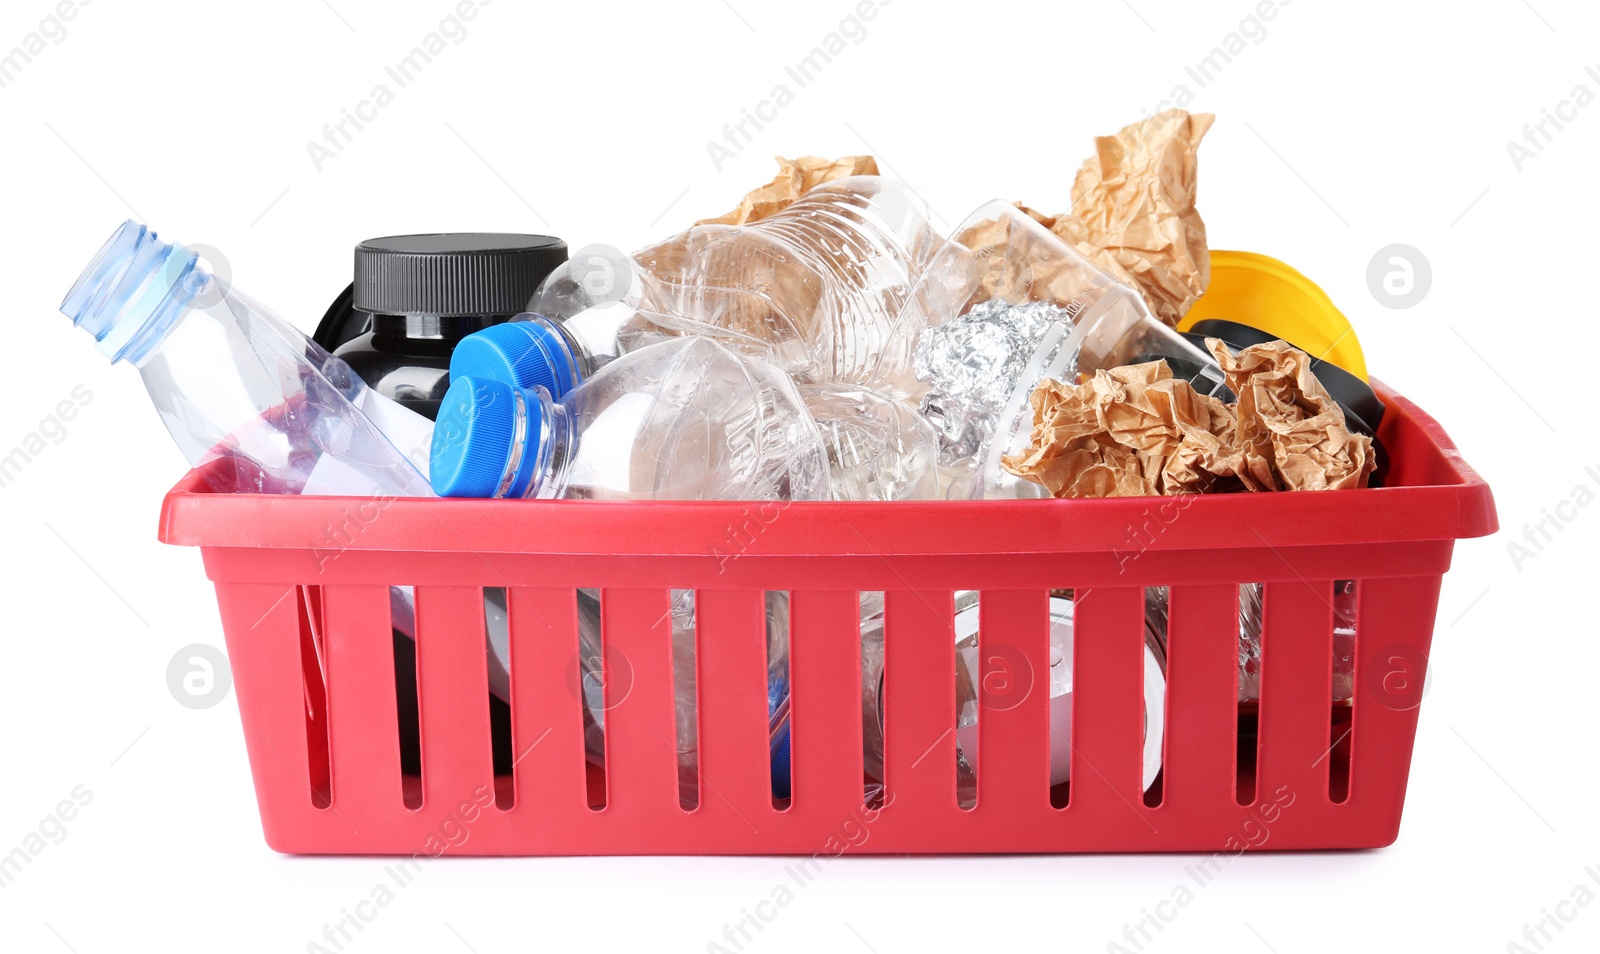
821	341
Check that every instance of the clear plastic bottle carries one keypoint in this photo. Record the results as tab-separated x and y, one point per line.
686	419
233	381
878	447
818	289
1008	304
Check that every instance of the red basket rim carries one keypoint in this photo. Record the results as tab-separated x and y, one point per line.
1458	507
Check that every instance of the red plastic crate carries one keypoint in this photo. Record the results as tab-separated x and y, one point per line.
283	583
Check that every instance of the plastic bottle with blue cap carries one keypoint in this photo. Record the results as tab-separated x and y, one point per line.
878	447
686	419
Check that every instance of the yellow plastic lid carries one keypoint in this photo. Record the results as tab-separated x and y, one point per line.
1262	292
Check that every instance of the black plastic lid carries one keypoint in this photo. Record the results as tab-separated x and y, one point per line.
453	273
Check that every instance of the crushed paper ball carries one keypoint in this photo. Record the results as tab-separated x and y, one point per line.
1137	431
1130	431
1291	433
1133	211
795	177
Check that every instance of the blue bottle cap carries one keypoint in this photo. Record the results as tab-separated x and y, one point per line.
522	353
479	450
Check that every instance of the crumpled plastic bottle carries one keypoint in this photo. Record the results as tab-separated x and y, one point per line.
878	447
818	289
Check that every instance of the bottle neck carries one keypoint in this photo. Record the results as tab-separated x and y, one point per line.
136	290
593	336
546	439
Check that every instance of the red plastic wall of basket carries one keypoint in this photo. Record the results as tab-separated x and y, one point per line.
277	576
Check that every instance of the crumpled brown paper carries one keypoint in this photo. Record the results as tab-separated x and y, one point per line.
795	176
1133	211
1291	433
1137	431
1129	431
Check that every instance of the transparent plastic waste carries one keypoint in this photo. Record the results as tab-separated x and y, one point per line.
231	380
819	289
685	419
1007	692
686	743
878	448
1006	304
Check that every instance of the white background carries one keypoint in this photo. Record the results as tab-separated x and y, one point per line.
1346	128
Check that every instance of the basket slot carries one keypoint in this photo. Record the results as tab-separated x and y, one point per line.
262	625
641	732
1108	701
363	726
919	701
1202	697
685	693
1296	688
546	707
453	696
1394	630
1013	699
732	662
315	684
825	713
